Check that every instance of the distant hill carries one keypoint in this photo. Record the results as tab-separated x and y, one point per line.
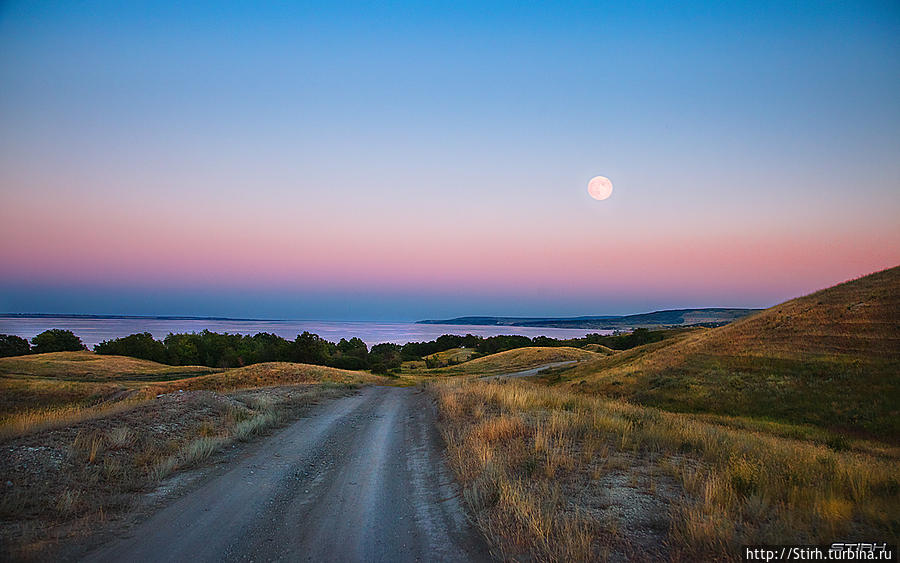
656	319
831	358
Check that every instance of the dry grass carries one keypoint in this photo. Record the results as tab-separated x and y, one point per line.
95	367
31	404
599	349
37	420
511	361
829	359
452	356
554	475
65	480
268	374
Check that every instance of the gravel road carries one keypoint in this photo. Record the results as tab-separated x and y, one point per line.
530	372
361	479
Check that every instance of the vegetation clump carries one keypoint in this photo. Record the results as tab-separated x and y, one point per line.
11	345
56	340
235	350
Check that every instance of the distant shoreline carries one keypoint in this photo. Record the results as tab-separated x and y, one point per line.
709	316
671	317
150	317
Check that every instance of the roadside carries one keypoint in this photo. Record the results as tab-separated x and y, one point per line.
550	474
59	483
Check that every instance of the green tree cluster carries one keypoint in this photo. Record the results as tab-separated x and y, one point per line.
56	340
11	345
235	350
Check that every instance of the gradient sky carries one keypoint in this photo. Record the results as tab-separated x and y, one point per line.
382	160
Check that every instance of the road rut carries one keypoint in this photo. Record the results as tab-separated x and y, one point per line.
362	479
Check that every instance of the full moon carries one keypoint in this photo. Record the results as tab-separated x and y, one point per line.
600	187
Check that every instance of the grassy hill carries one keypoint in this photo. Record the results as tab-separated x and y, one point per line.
453	355
599	349
53	388
512	361
269	374
88	366
831	359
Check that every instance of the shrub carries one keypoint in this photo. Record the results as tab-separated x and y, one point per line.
140	345
11	345
56	340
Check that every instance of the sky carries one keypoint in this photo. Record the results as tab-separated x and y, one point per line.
399	161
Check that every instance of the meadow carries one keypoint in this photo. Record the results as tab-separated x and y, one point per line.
829	359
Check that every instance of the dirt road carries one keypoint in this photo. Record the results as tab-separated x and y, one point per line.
362	479
530	372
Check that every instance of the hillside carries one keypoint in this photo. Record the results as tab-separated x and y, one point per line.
88	366
31	385
656	319
831	359
599	349
512	361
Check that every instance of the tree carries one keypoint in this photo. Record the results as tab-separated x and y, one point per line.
353	347
56	340
309	348
11	345
141	345
351	354
384	357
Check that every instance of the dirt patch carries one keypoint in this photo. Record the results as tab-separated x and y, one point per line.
630	498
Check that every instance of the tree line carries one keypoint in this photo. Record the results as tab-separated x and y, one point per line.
53	340
235	350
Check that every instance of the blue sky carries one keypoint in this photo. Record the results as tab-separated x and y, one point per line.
400	160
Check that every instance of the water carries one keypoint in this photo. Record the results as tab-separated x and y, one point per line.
93	331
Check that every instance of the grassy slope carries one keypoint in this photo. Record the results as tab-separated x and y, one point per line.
453	355
512	361
67	379
830	359
600	349
269	374
94	367
50	389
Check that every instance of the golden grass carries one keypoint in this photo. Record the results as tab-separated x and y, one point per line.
269	374
829	359
39	419
515	446
599	349
511	361
94	367
22	393
30	404
453	355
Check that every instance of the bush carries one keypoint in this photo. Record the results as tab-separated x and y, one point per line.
56	340
11	345
140	345
384	358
